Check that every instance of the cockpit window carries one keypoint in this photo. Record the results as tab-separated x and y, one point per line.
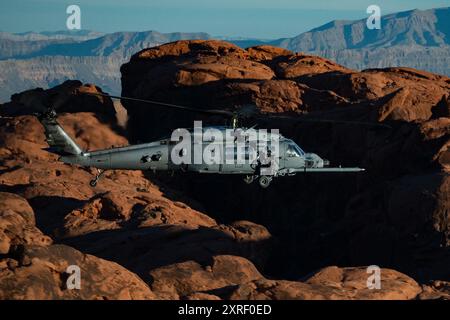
294	151
299	150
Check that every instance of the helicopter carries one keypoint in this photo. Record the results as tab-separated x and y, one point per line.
262	158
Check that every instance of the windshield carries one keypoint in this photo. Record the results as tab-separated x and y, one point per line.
294	151
299	150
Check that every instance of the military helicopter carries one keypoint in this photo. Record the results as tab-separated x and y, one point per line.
289	158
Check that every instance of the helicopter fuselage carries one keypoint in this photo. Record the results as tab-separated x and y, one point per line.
158	156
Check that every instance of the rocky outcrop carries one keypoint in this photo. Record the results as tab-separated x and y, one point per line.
395	214
332	283
400	93
36	269
436	290
31	267
70	96
41	273
219	74
17	224
137	237
188	278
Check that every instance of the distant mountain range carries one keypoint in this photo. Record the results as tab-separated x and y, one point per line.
418	39
79	35
118	44
32	60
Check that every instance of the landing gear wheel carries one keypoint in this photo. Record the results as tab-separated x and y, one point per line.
249	179
264	181
94	181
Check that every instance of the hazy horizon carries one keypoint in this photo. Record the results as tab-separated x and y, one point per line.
261	19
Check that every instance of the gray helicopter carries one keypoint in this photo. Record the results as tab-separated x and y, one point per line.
258	159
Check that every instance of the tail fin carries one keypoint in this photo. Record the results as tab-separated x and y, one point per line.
58	140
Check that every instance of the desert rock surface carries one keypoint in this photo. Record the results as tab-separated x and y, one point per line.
139	236
394	214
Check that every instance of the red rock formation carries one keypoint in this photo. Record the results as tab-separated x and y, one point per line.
387	215
332	283
36	269
32	267
70	96
157	242
17	224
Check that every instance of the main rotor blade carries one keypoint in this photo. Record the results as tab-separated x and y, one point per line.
250	113
318	120
169	105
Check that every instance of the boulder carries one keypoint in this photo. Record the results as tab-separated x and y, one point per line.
188	278
17	224
332	283
42	273
71	96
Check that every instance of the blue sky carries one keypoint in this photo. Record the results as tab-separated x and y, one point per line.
232	18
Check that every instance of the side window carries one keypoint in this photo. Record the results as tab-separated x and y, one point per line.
290	152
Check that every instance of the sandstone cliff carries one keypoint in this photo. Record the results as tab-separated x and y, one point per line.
394	214
138	237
